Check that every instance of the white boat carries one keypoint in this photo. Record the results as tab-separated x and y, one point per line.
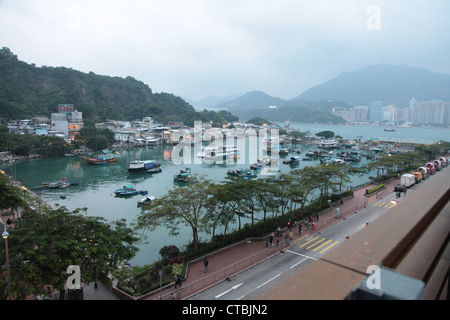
137	166
220	152
328	144
147	200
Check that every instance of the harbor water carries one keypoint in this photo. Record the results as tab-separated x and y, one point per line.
97	183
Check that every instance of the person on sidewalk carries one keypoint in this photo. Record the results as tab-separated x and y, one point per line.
205	263
178	281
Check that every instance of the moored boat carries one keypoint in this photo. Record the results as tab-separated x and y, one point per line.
59	184
220	152
146	200
139	166
292	161
126	191
104	157
183	176
154	170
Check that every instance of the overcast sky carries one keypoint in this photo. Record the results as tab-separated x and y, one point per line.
197	48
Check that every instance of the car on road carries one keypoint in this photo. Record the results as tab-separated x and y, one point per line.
400	188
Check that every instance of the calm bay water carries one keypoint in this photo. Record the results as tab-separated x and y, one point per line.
97	183
409	134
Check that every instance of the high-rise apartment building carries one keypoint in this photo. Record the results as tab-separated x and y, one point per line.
429	112
375	113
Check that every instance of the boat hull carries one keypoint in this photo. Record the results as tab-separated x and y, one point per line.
99	161
142	166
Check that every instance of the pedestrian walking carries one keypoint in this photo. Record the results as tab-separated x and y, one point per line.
178	281
278	242
299	229
205	262
290	237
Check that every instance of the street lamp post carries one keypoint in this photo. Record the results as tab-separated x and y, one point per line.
95	265
39	201
5	236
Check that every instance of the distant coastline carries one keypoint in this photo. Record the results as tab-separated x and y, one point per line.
364	125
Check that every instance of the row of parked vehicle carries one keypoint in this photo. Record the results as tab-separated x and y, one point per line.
423	172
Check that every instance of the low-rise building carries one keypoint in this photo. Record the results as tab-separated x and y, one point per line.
67	120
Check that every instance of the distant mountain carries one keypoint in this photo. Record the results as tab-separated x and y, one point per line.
291	114
384	82
210	102
258	103
251	100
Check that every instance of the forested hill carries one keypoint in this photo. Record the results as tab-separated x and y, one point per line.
27	90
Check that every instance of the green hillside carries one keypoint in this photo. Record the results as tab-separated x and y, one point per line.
27	90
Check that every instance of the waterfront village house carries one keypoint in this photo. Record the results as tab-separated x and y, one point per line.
67	121
125	136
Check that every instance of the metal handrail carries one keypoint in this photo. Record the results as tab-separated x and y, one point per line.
224	273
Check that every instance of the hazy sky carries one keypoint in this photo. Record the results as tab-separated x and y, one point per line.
196	48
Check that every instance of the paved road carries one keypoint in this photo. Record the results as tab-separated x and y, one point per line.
254	282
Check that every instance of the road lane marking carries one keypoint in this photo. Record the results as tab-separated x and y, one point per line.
293	266
225	292
323	244
315	243
299	254
269	280
329	247
308	242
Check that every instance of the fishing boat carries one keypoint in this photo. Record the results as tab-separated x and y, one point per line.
258	165
327	144
283	151
183	176
221	152
389	129
247	174
243	173
59	184
292	161
154	170
104	157
146	200
140	166
126	191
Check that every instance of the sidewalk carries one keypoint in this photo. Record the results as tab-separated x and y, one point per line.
235	254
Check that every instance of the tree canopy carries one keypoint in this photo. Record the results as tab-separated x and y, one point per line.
43	246
27	91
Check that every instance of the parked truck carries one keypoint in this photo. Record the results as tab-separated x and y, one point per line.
430	166
417	175
437	165
408	179
424	171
